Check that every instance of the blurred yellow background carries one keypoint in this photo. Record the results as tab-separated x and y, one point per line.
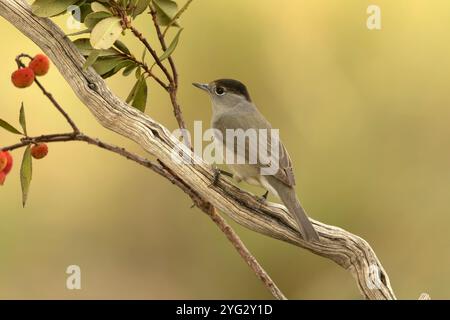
364	114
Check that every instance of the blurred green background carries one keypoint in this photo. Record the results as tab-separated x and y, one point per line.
364	114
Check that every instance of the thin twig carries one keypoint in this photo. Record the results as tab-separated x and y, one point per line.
173	79
147	70
177	16
65	137
56	104
144	41
59	137
245	254
48	94
162	41
173	91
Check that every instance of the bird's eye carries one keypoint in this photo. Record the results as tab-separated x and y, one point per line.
220	91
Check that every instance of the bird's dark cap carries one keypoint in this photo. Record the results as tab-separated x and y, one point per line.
233	86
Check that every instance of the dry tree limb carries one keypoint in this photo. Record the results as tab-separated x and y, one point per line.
346	249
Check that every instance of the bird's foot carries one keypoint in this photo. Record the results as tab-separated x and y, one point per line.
263	198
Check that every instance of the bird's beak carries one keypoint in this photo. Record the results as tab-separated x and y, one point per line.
203	86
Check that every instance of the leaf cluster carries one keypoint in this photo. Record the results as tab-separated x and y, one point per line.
105	21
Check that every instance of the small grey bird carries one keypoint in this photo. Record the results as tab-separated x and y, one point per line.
233	109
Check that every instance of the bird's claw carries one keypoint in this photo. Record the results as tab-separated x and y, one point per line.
263	198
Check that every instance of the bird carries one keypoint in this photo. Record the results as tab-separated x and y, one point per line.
233	109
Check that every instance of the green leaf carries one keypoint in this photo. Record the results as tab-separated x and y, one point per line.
171	47
93	56
138	73
140	7
117	68
140	95
98	7
22	120
128	70
106	64
122	47
5	125
93	18
105	33
50	8
125	64
84	46
165	11
133	91
143	54
26	172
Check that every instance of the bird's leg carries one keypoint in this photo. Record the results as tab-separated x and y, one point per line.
263	198
217	173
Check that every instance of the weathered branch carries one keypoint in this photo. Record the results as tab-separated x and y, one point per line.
348	250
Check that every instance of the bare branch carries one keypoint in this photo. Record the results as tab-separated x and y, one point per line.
48	94
66	137
245	254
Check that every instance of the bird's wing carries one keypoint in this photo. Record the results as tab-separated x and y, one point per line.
247	120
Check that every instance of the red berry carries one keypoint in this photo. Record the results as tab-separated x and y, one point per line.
2	178
23	77
39	151
6	162
3	161
40	64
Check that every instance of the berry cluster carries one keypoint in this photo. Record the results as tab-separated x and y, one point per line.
24	77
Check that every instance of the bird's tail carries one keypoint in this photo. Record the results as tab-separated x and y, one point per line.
290	200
